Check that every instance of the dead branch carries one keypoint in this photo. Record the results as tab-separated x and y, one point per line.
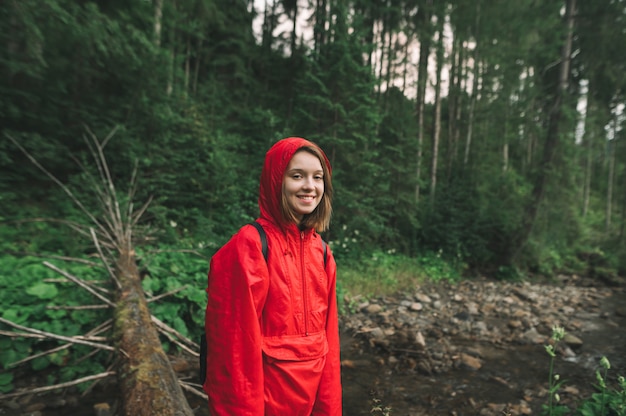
105	326
80	283
109	195
41	354
171	292
69	193
92	385
57	386
55	336
78	308
91	283
20	335
175	341
79	228
165	327
190	387
103	259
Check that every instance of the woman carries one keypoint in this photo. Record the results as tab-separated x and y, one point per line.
271	326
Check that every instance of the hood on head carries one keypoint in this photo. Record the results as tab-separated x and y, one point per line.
271	185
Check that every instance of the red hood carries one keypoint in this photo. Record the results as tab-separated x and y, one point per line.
276	161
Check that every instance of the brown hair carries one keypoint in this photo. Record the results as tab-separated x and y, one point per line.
320	217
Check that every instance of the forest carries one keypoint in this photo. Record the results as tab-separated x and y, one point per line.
467	139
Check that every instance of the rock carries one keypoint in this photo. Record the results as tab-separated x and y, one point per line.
514	324
102	409
423	298
373	308
472	308
416	306
377	333
419	340
572	341
532	337
469	362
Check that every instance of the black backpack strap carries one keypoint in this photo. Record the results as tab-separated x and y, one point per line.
263	237
261	231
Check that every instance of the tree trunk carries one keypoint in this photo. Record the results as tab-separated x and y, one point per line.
611	175
148	384
295	25
453	101
588	143
422	80
158	16
437	118
552	136
473	99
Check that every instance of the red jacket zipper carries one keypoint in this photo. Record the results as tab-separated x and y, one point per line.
304	296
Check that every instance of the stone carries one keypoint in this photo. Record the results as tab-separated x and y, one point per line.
469	362
102	409
423	298
416	306
419	340
374	308
572	341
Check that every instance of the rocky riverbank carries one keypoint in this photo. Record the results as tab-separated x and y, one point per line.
477	347
472	348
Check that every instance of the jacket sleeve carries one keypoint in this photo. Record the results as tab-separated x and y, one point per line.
328	402
237	289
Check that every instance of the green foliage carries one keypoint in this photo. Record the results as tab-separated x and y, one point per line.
28	290
198	104
554	380
606	401
388	272
169	269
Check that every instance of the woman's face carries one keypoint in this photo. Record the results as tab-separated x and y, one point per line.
303	183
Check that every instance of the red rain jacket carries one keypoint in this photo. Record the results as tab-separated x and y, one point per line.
271	327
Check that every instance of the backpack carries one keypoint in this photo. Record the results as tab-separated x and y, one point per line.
203	343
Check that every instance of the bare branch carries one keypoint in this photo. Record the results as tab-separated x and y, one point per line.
100	328
41	354
165	327
105	175
171	292
20	335
61	185
103	259
58	386
77	308
193	389
92	385
55	336
80	283
175	341
91	283
109	136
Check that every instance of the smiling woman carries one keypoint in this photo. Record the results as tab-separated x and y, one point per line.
271	319
303	185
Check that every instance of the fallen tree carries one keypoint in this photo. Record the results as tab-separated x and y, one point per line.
147	382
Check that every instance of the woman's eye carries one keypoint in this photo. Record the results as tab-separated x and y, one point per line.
318	177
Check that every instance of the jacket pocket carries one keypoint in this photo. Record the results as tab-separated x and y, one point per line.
297	347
